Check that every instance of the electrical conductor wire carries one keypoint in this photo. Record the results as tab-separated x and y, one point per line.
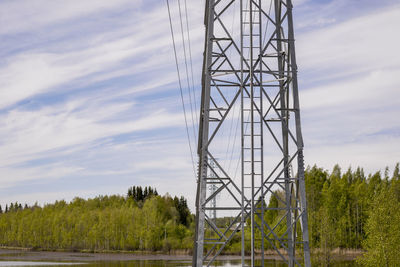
180	87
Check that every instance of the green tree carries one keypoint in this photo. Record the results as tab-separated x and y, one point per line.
183	210
383	231
328	239
396	172
101	223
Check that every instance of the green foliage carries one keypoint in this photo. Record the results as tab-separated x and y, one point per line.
101	223
183	210
383	230
137	193
337	207
346	209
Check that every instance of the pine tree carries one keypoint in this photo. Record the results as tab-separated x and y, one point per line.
386	174
139	193
134	193
336	172
183	210
130	193
272	213
396	172
359	174
1	210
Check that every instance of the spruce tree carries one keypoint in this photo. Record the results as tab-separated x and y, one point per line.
134	193
396	172
359	174
336	172
139	193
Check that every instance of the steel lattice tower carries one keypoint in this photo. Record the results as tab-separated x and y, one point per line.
250	75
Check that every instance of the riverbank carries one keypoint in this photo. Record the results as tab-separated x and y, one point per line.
31	255
25	254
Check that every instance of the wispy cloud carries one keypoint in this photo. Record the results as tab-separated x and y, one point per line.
351	47
351	90
25	15
90	105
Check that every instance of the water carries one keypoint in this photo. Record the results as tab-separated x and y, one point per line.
35	263
150	263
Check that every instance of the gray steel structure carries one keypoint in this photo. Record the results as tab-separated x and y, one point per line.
253	71
212	188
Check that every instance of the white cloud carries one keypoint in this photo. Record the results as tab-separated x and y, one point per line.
355	46
342	112
373	90
78	129
49	197
25	15
31	74
373	154
350	113
24	174
27	134
126	51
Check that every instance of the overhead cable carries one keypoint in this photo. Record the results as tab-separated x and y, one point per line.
186	68
180	87
191	64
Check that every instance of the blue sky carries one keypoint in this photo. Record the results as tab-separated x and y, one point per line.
89	99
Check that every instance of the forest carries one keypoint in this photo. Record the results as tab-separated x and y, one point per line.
142	220
346	209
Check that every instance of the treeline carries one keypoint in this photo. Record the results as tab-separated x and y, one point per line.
101	223
13	207
137	193
352	210
345	209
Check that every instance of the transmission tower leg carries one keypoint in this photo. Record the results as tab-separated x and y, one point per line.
283	92
203	140
299	137
243	202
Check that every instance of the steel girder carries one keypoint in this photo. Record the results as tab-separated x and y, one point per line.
250	67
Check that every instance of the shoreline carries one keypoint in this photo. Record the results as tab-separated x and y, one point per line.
26	254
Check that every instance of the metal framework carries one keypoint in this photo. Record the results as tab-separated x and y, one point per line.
212	189
250	76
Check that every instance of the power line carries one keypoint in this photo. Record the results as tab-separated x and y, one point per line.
180	87
191	63
186	67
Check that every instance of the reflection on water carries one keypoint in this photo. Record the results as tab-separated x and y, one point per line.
154	263
35	263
